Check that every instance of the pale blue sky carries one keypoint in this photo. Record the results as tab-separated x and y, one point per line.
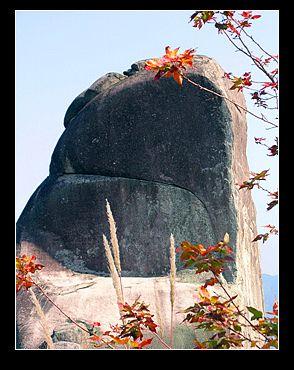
61	53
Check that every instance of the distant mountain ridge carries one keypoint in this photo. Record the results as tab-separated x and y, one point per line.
270	290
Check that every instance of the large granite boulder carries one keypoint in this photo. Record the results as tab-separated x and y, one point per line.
167	158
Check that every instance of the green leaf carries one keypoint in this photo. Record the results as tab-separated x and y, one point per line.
256	314
207	15
189	263
221	26
212	343
237	327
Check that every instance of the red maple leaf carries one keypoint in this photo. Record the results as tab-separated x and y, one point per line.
171	64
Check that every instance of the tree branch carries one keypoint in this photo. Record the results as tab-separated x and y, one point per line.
262	118
237	308
64	314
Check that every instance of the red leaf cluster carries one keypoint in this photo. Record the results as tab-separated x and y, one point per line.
276	308
201	17
253	181
25	266
224	20
212	258
136	318
267	61
240	82
171	64
273	85
273	150
220	318
264	237
258	140
215	315
248	15
259	100
273	203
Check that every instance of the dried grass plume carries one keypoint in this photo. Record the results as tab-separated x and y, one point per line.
113	237
113	270
172	279
173	269
43	320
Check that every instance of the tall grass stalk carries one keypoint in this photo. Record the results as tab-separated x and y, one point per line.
113	272
114	264
116	277
43	320
114	242
113	237
172	279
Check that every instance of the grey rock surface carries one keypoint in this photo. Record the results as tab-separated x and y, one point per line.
72	208
156	131
168	159
86	96
135	128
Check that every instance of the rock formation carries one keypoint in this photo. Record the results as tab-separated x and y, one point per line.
168	159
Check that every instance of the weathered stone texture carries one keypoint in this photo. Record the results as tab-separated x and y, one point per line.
145	212
167	158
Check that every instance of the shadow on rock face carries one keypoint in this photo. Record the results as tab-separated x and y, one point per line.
145	212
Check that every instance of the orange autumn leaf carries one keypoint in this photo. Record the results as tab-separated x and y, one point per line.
23	281
211	282
119	340
25	266
203	292
176	76
171	54
201	249
187	57
171	64
95	338
199	345
140	345
153	64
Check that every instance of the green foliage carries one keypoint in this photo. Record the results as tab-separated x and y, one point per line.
256	314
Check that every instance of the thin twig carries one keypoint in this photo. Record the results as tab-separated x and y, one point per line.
242	335
256	43
253	89
231	101
237	308
162	341
249	54
43	319
64	314
55	305
262	188
256	62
